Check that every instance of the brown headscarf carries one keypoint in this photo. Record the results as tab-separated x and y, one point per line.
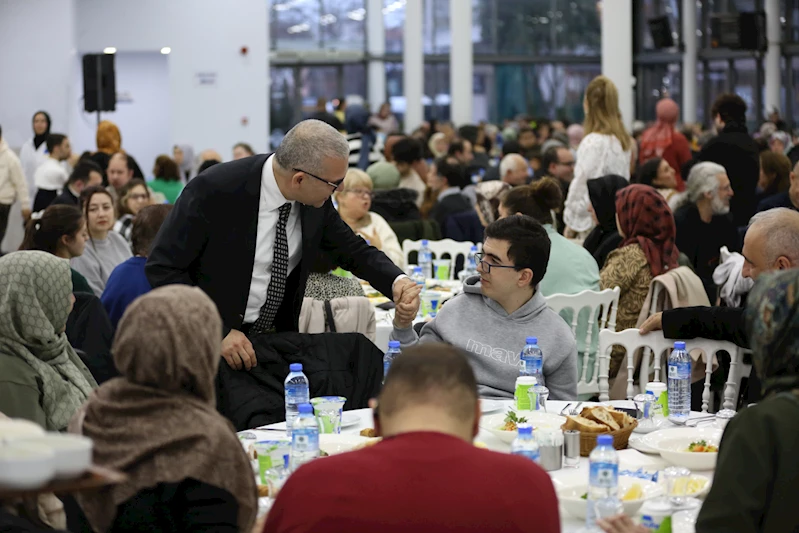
646	219
109	140
158	423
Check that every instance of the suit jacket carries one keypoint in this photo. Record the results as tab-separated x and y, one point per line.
209	238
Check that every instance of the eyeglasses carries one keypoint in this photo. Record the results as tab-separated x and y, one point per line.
334	184
360	192
138	196
488	266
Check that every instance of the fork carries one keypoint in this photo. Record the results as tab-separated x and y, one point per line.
565	409
573	412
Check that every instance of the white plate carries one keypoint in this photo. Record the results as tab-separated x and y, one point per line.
674	448
489	406
538	419
637	442
349	420
570	496
652	440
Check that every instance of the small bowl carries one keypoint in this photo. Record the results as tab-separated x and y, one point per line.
570	497
539	419
674	450
73	453
17	428
26	466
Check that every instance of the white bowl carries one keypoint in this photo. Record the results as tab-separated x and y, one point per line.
675	451
539	419
26	466
701	493
649	443
16	428
570	496
332	443
73	453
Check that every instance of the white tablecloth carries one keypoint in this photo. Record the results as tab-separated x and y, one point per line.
628	459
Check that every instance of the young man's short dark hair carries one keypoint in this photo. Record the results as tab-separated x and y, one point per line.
469	132
82	170
457	147
511	147
529	244
407	150
730	107
207	164
453	171
145	227
550	156
434	374
54	140
524	130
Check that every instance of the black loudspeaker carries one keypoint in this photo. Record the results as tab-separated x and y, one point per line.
99	83
660	28
741	31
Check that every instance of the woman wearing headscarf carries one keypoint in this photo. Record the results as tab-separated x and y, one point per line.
664	141
183	154
757	473
158	424
109	142
604	238
34	151
42	379
647	250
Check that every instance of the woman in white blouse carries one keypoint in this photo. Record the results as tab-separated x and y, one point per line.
604	150
34	151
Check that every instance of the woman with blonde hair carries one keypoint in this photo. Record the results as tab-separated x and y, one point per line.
354	199
605	149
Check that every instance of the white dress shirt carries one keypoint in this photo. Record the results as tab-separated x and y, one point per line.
268	216
50	176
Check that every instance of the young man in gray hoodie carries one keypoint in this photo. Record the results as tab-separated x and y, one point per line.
498	310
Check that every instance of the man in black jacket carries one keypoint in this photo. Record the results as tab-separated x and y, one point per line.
771	243
448	180
737	152
247	232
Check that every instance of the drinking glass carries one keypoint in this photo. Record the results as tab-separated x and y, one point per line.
677	478
442	268
327	410
538	397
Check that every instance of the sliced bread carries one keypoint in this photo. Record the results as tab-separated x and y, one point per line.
603	416
584	425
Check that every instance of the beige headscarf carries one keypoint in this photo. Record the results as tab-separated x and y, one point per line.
158	423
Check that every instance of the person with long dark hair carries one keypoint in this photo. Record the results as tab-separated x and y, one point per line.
133	197
167	178
34	151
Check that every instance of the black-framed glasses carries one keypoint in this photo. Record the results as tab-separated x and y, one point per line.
488	266
334	184
366	193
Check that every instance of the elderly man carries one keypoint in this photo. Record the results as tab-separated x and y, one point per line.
771	243
247	233
513	170
426	475
703	226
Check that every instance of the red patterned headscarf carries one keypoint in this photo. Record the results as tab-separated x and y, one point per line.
646	219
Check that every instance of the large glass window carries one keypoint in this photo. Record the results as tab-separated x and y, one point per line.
658	81
318	24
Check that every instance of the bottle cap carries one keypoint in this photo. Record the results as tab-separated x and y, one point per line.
394	344
532	340
285	461
417	270
601	440
679	345
524	429
305	408
425	242
474	248
295	367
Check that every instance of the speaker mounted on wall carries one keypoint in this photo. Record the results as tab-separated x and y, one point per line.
99	83
739	31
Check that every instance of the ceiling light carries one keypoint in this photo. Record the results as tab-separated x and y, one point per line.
357	14
326	20
166	50
109	50
299	28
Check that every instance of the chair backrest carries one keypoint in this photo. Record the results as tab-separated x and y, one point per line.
602	305
632	340
439	249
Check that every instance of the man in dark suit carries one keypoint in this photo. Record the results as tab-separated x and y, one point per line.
86	174
247	233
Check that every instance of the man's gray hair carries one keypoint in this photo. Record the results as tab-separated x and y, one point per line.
510	163
703	179
308	144
780	233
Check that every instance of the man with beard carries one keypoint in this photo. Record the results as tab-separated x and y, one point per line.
703	224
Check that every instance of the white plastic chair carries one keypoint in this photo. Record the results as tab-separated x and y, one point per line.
608	301
632	340
439	249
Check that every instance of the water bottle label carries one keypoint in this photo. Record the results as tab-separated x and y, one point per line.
296	394
304	440
529	454
604	475
386	366
680	370
427	257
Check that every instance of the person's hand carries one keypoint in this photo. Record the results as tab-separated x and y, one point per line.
620	524
374	239
26	214
569	233
406	301
237	351
653	323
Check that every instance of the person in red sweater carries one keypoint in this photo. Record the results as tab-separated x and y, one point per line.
662	140
425	475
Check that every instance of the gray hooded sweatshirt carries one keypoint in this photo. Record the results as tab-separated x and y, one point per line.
493	340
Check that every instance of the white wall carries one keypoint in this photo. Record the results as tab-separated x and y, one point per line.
142	82
206	37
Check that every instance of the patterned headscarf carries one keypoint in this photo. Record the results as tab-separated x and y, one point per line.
488	195
772	326
646	219
35	288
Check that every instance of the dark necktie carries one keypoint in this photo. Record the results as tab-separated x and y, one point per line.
277	283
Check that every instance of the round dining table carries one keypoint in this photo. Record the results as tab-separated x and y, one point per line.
629	459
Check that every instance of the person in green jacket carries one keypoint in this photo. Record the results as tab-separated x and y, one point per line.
61	231
167	178
42	378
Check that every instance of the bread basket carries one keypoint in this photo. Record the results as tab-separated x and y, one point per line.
620	438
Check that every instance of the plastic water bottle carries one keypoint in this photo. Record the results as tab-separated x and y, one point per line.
297	391
426	259
388	358
471	262
419	279
532	359
304	437
603	478
525	444
679	384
